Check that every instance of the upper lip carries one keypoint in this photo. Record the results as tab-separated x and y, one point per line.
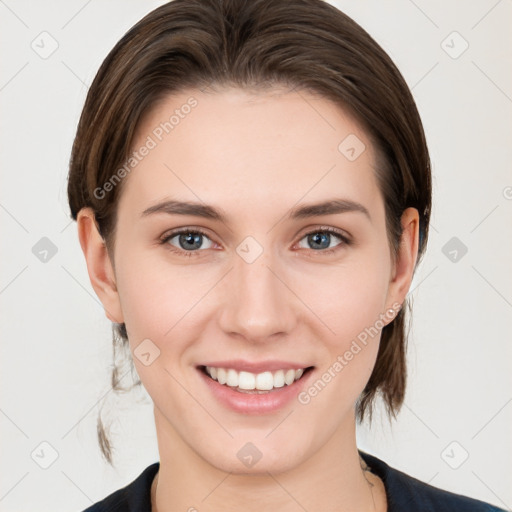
241	365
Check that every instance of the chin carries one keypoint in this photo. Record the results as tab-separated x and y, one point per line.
269	461
255	455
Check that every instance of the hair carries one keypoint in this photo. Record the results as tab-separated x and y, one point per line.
301	44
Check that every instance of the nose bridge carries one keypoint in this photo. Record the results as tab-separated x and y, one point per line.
258	304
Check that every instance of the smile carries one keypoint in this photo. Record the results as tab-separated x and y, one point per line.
248	382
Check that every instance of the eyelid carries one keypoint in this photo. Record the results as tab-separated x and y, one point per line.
327	229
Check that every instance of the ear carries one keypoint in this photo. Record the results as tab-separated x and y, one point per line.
405	262
99	266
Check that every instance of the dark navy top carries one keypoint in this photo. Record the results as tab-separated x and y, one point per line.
404	493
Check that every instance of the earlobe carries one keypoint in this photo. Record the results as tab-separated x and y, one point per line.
406	258
99	266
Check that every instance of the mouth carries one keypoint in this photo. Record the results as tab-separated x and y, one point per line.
255	383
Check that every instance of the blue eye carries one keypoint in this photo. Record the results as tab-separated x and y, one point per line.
189	242
321	239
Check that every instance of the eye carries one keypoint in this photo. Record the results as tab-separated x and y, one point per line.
189	242
186	242
320	240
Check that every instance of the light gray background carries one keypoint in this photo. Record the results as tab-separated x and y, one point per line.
56	340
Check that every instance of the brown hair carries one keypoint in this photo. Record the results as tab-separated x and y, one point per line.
301	44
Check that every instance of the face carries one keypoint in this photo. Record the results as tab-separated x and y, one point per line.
252	281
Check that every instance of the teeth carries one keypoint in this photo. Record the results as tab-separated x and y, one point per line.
244	380
232	378
264	381
279	379
221	374
248	381
289	377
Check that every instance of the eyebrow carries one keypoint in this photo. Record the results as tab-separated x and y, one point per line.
334	206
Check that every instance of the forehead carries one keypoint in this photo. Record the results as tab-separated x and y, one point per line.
249	149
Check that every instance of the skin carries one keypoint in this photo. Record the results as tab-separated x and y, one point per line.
255	155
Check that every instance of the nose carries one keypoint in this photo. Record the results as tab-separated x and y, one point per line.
258	300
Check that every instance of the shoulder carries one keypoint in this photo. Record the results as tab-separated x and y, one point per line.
406	493
134	497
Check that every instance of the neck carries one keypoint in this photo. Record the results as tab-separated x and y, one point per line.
335	478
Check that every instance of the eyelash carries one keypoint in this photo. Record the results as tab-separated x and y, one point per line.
168	236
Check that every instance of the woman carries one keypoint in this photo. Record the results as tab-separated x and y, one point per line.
252	189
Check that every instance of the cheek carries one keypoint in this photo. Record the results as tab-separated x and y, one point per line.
349	355
160	304
155	297
346	299
351	306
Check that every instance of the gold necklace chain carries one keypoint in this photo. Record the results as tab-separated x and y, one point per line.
366	469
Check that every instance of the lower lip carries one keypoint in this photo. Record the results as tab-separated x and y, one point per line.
254	403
